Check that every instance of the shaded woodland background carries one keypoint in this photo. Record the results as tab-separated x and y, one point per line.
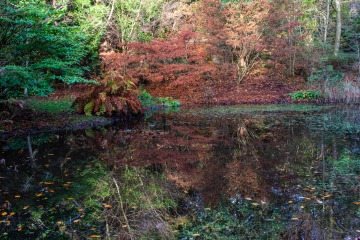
205	51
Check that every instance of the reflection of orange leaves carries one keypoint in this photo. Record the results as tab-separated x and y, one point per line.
38	194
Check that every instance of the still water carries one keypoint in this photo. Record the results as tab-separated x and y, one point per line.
239	172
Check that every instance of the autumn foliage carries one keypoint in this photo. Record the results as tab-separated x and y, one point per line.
218	47
114	96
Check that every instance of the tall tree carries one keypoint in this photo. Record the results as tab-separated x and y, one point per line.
338	27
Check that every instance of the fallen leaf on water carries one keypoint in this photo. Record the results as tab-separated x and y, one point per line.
107	206
95	236
294	218
80	210
327	196
247	198
62	228
17	196
290	201
48	183
255	204
124	226
51	190
195	235
70	199
8	223
301	207
77	220
308	199
26	207
19	228
12	214
208	209
38	194
357	203
4	214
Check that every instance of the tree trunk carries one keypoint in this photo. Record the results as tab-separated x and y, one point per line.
338	27
327	20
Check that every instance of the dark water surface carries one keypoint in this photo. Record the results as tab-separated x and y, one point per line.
240	172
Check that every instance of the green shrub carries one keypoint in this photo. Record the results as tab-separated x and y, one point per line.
149	101
306	94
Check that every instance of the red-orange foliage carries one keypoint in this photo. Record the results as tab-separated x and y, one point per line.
215	49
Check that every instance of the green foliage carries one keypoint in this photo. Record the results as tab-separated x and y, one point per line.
325	76
51	107
136	19
41	45
305	94
149	101
238	219
141	189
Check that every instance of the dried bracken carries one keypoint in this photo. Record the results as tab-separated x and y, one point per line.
114	96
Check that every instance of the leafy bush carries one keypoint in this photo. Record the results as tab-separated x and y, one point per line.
305	94
114	96
40	46
149	101
334	85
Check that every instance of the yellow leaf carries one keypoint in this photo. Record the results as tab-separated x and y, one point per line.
107	206
70	199
17	196
290	201
12	214
195	235
301	207
308	199
327	196
4	214
95	236
26	207
80	210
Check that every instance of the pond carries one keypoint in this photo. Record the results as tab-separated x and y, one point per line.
235	172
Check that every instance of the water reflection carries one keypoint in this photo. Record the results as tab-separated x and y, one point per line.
220	173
